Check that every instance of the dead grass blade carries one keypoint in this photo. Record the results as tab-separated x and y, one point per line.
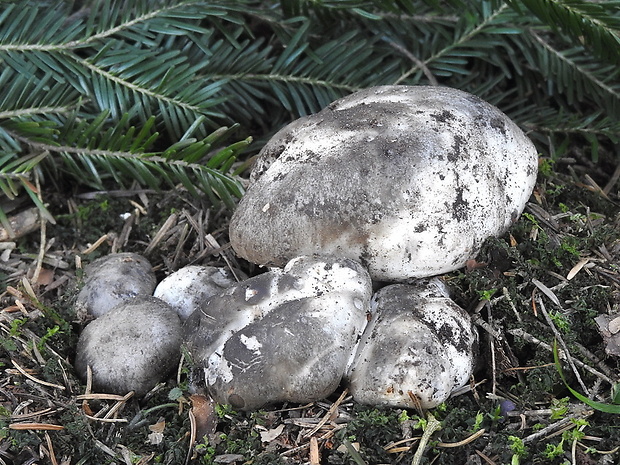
36	426
36	380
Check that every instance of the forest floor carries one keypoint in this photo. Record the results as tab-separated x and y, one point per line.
553	280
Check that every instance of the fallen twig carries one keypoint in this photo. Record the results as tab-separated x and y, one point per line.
50	448
467	440
432	426
328	415
580	413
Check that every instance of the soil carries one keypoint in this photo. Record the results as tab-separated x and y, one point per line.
541	285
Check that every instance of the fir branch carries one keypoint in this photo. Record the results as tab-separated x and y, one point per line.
99	148
35	111
137	90
288	79
140	89
572	73
596	23
66	42
466	36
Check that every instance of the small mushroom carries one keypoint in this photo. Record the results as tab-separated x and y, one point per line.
187	288
112	280
285	335
418	347
409	181
132	347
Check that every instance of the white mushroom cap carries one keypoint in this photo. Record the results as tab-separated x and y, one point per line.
285	335
418	341
191	286
112	280
132	347
407	180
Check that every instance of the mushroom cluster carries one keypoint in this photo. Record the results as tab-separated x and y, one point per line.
134	333
393	184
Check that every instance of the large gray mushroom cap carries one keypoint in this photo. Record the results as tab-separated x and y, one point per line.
407	180
418	343
285	335
112	280
132	347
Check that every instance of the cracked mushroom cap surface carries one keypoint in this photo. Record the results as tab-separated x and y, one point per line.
407	180
285	335
132	347
112	280
418	343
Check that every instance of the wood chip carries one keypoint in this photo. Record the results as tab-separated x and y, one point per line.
271	434
614	325
203	411
20	224
315	457
577	268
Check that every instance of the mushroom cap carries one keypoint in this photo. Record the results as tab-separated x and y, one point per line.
189	287
132	347
418	341
112	280
285	335
407	180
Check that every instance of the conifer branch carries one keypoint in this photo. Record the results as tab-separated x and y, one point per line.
132	86
463	39
309	81
36	111
579	70
138	90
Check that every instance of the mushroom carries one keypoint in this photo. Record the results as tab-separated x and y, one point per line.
112	280
285	335
409	181
132	347
418	347
187	288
